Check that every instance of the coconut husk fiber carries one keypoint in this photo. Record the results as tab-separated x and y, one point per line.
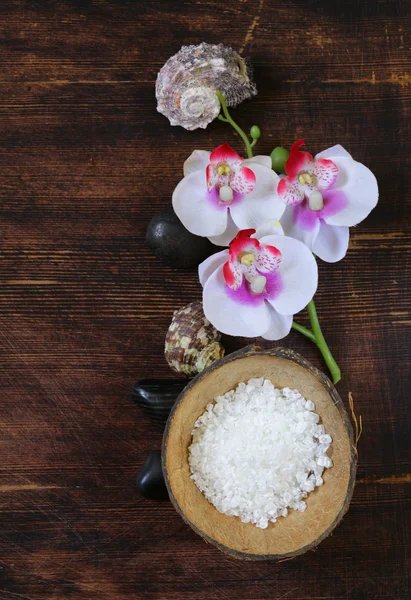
326	505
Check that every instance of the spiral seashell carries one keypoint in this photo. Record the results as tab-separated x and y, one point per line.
192	343
186	84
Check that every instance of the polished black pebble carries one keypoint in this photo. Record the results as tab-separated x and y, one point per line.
173	244
150	480
156	397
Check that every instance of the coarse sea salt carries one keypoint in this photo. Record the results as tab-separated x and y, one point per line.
258	451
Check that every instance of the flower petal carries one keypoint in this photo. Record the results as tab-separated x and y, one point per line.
233	274
193	208
299	274
211	176
197	161
243	243
267	258
280	325
331	243
243	180
269	228
333	152
360	189
260	205
326	172
265	161
224	153
298	160
231	317
229	234
305	218
290	191
335	201
290	222
207	267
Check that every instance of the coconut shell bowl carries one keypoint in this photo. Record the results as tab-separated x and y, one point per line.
326	505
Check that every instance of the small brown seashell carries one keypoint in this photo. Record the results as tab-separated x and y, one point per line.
192	343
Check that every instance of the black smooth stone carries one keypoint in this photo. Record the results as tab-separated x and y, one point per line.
156	397
150	480
173	244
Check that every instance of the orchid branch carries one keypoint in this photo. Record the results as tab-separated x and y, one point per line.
233	124
322	344
315	335
307	332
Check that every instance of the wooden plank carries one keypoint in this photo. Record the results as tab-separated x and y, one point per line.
85	162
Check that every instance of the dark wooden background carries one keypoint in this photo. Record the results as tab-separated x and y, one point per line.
85	161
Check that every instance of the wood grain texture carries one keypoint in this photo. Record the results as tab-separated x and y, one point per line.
85	161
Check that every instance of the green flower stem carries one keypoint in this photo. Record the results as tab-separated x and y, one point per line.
307	332
253	143
322	344
234	125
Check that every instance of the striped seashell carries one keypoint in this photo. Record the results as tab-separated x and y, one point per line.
192	343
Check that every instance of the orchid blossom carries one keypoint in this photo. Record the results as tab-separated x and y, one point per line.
260	282
325	196
222	193
255	287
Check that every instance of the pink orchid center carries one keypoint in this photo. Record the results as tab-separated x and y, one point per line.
231	181
227	177
256	282
310	183
306	178
250	264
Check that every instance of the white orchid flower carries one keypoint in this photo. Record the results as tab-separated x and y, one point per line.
324	196
254	288
222	193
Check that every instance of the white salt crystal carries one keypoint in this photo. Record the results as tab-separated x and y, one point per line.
308	486
301	426
325	439
324	461
258	451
